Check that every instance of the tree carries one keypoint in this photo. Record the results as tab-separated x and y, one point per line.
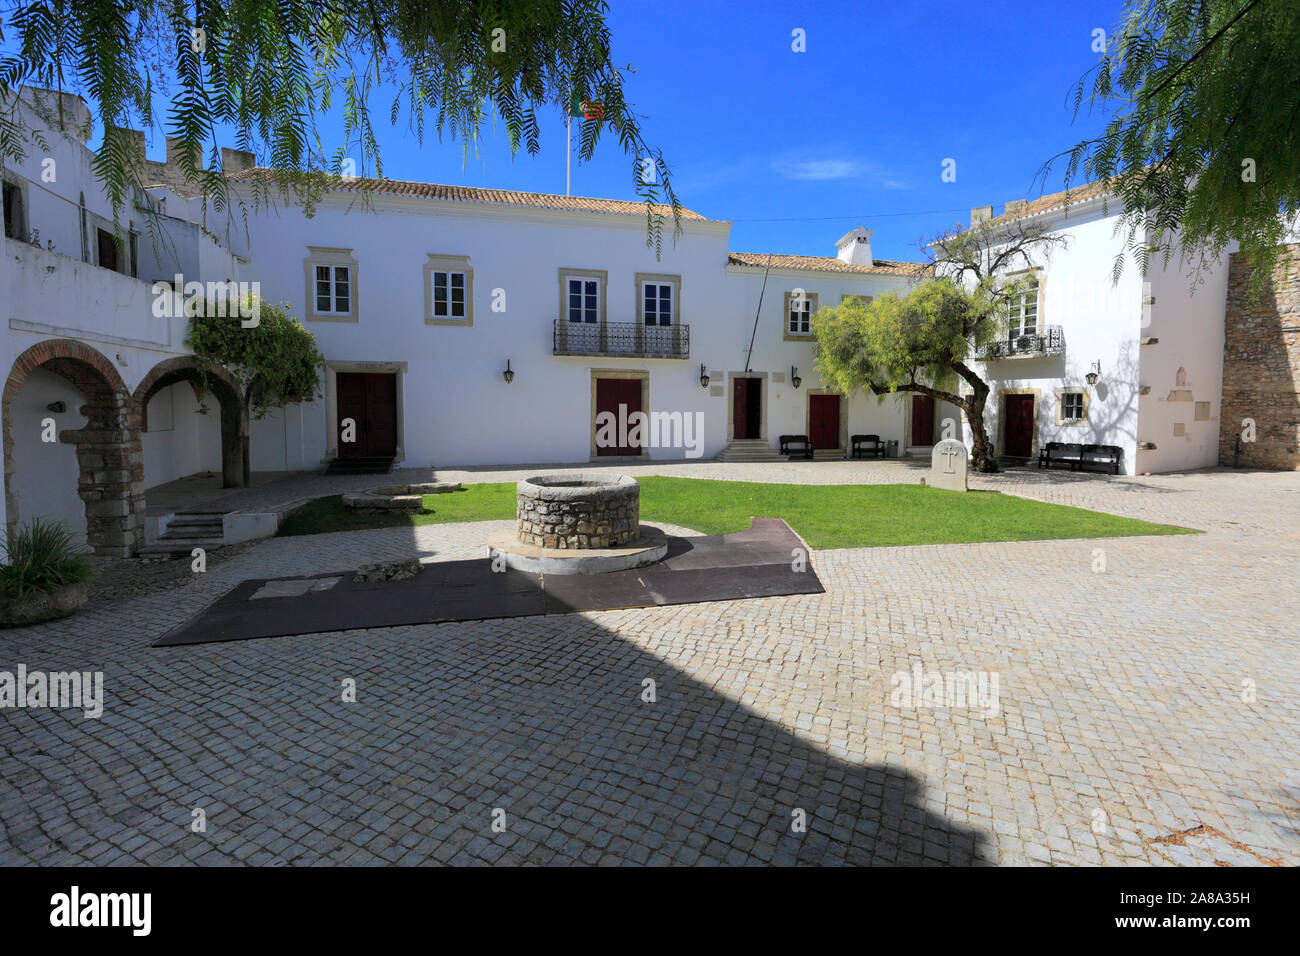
929	339
1203	145
273	362
271	70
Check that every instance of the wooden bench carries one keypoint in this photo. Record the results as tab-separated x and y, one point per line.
1112	456
796	446
1061	453
862	446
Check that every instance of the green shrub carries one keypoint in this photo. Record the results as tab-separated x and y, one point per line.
41	556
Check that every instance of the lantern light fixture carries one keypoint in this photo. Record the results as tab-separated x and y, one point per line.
508	374
795	380
1095	374
704	376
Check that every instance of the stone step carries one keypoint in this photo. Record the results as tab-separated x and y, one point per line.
177	549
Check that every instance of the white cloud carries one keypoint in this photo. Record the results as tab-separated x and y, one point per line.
821	169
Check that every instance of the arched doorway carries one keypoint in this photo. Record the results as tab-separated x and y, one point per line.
110	470
234	416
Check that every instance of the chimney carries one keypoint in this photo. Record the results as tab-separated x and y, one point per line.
979	214
236	160
174	150
855	247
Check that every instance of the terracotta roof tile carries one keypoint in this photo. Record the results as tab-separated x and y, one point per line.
828	264
508	197
1054	201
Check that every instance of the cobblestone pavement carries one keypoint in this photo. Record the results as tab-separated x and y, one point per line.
1146	713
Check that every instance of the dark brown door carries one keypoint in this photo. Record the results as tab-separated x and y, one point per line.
369	400
824	420
922	420
1019	434
611	393
747	407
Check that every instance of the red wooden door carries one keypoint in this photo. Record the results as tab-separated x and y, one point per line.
620	397
1019	433
369	400
922	420
824	420
747	408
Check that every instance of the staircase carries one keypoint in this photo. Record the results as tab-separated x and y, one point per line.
749	449
360	466
186	531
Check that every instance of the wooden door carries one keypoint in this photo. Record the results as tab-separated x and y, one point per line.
1019	432
370	401
922	420
747	408
824	421
620	397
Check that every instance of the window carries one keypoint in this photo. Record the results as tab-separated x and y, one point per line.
448	294
334	290
107	248
332	294
448	291
15	226
584	299
799	308
1071	406
1072	409
658	302
863	299
1024	311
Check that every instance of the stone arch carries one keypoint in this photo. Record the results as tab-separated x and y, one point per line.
234	414
111	481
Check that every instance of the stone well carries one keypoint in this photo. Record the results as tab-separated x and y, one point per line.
578	511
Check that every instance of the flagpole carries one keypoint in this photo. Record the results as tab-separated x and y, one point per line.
568	148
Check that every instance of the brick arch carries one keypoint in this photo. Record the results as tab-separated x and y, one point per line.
234	413
111	481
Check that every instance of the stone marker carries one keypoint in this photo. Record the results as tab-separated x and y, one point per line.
948	465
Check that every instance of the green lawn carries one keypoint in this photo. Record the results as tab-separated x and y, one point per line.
827	516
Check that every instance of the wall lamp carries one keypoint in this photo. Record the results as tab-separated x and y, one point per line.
1095	374
508	374
795	380
704	376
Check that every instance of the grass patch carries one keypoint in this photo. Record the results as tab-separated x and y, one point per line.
827	516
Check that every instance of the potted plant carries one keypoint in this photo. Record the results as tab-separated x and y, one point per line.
44	575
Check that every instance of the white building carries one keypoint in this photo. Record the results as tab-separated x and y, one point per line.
421	297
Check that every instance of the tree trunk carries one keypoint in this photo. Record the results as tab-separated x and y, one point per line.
244	430
982	456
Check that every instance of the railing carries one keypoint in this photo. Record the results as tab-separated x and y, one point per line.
622	338
1030	346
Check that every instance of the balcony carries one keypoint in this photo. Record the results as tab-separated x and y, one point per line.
1030	346
621	339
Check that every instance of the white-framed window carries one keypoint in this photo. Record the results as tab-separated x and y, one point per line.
449	290
1072	406
1024	311
658	303
799	308
583	295
333	290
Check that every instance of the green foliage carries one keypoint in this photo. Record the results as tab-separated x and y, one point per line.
273	363
271	70
907	339
41	556
1203	93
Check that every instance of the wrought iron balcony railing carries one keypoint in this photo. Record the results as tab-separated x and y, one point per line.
622	338
1030	346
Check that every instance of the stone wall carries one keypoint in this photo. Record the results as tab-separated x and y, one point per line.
576	511
1261	366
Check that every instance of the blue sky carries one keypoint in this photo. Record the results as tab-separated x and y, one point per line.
798	148
853	129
